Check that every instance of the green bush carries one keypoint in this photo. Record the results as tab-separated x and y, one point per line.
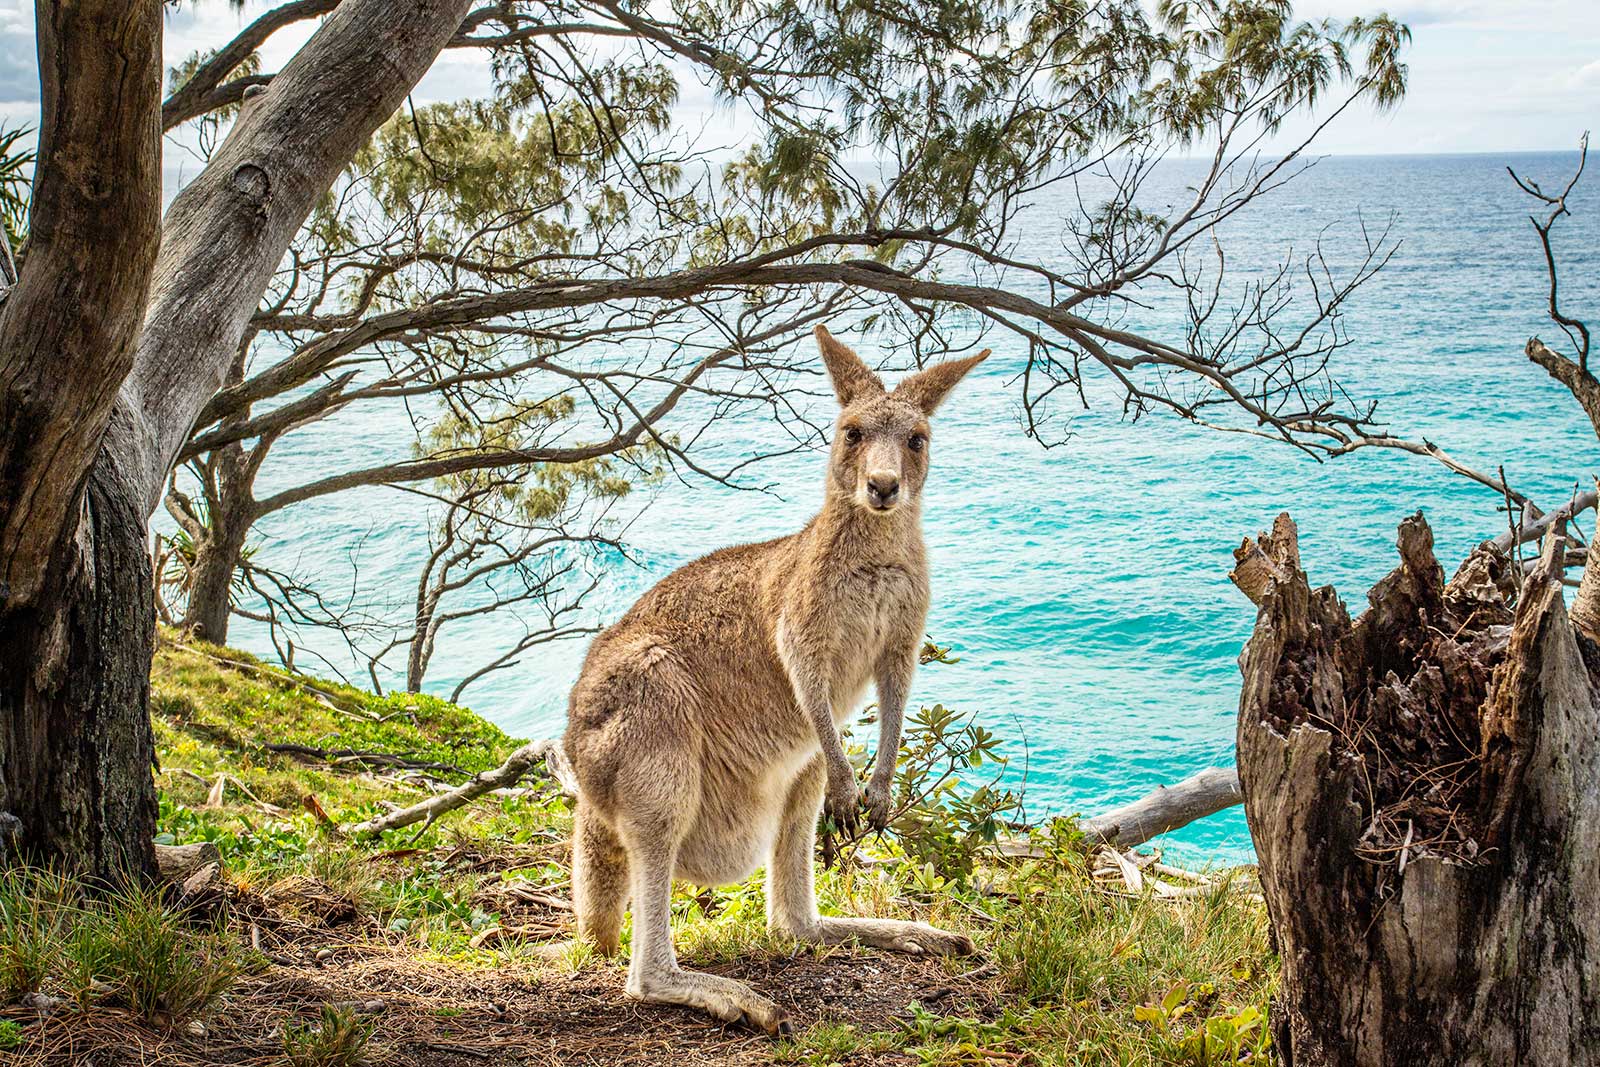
942	819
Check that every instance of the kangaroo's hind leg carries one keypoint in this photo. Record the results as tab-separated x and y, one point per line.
653	971
599	880
654	797
791	887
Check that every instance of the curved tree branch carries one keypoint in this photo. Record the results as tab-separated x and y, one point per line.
228	229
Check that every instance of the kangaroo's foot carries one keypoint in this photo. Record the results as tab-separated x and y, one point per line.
895	935
730	1001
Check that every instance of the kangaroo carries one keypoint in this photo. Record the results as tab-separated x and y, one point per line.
704	726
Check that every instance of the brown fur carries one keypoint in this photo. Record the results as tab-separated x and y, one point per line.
704	726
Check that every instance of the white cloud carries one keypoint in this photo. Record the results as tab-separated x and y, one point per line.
1484	76
1585	77
19	78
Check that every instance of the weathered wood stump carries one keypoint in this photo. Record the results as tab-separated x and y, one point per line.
1423	788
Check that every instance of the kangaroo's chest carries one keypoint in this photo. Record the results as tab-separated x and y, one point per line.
843	632
877	608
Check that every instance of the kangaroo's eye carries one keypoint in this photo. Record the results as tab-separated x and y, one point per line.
852	436
916	442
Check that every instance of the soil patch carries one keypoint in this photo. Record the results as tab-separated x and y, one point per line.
440	1014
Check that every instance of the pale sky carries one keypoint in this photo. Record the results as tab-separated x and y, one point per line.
1486	75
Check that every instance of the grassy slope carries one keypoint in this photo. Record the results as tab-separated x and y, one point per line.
1071	974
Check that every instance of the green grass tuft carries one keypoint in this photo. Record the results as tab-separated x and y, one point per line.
35	924
127	947
150	956
338	1039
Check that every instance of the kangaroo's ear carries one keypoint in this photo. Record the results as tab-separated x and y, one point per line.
852	380
928	387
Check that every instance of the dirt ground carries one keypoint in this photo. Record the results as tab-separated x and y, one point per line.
438	1013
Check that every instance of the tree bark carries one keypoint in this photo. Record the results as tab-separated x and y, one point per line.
1421	788
76	747
67	328
219	538
1585	613
420	652
227	231
217	556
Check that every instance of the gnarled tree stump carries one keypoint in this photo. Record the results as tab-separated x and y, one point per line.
1423	788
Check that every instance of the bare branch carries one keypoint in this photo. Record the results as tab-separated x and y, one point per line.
508	774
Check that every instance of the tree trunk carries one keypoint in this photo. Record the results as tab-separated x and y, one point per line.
94	408
420	651
67	329
1421	788
219	537
76	748
216	558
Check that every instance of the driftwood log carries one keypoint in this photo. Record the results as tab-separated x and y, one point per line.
1166	808
1423	788
177	863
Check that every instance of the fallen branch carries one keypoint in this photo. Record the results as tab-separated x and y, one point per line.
1166	808
509	773
177	863
337	756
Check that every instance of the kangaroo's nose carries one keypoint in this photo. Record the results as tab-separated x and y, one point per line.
882	489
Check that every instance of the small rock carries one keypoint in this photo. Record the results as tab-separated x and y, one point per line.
359	1007
324	955
43	1003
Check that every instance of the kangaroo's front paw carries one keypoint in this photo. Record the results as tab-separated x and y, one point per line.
879	797
843	804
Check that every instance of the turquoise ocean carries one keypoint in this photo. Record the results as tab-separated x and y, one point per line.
1084	587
